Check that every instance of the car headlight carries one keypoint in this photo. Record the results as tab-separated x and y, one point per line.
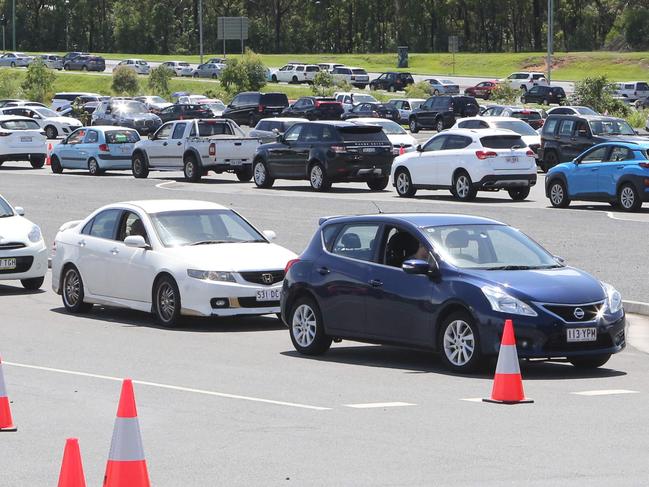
613	299
34	234
211	275
504	303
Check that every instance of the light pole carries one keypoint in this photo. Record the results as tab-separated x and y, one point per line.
200	28
13	23
550	38
67	24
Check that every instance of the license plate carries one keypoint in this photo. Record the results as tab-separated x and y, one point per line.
25	139
512	159
268	294
581	334
369	149
7	264
236	162
125	149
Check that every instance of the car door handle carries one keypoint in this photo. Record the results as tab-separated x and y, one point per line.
595	169
323	271
164	143
376	283
114	251
82	243
179	143
619	167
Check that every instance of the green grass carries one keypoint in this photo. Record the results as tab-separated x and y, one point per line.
617	66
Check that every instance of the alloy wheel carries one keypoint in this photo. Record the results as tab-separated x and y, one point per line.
627	197
166	301
459	343
403	183
556	194
260	174
462	186
304	325
316	176
71	288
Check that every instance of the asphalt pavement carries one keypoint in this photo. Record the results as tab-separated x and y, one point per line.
228	401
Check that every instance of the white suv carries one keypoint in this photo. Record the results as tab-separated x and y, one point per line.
295	73
179	68
22	140
633	90
357	77
524	80
468	161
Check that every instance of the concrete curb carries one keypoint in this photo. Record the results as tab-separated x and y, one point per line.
637	307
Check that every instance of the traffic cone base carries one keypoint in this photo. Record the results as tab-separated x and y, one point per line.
6	421
126	473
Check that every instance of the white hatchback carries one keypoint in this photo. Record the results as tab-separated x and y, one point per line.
22	139
53	123
468	161
171	258
23	254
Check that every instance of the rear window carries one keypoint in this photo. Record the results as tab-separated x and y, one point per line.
274	99
312	68
122	137
502	141
527	115
20	125
359	71
71	97
363	133
207	129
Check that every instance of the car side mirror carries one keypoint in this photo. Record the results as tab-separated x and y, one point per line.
275	131
19	210
281	139
152	136
419	148
415	267
583	133
269	234
108	111
560	260
136	241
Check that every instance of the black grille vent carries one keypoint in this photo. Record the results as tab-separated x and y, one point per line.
12	245
570	313
266	278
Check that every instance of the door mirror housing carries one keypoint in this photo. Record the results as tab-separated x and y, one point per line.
416	267
560	260
136	241
19	210
269	234
419	148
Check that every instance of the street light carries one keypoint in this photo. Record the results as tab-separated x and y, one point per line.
550	38
13	22
200	28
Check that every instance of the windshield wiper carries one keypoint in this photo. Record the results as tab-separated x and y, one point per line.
511	268
207	242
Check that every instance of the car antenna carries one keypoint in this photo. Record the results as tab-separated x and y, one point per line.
377	207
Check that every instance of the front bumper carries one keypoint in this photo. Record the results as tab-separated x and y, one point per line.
506	181
31	262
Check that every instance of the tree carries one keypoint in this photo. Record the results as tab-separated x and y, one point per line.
9	84
419	90
159	81
505	93
323	84
125	81
596	92
245	74
39	81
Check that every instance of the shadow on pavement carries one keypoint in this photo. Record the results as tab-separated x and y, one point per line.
204	180
126	317
417	361
6	290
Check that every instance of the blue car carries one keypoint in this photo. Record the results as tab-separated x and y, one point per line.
96	149
613	172
446	283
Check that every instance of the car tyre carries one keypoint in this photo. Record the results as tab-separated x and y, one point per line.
439	125
244	175
378	184
32	284
192	169
84	68
261	175
318	178
590	361
13	65
72	291
391	89
195	75
93	167
628	198
139	166
459	342
294	80
413	125
550	160
51	132
251	121
306	328
403	184
55	165
274	79
545	101
519	194
166	302
436	93
463	187
37	162
558	194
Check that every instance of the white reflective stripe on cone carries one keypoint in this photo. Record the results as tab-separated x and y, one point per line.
507	360
126	445
3	388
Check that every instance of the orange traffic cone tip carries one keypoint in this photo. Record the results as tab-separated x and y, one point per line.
6	421
71	468
508	383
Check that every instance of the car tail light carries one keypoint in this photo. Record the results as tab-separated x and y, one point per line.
261	108
212	149
289	264
482	155
644	165
104	148
530	153
317	104
339	149
646	182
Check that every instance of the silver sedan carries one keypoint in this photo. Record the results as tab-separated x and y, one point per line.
207	70
15	59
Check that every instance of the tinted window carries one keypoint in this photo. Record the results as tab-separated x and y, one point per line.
620	154
502	141
274	99
311	133
329	235
527	115
550	125
357	242
642	87
179	130
207	129
566	127
293	133
435	144
363	133
103	225
131	225
457	142
164	132
263	125
92	137
20	125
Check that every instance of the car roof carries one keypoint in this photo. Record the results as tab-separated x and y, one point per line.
371	120
493	119
156	206
284	119
477	132
4	118
589	118
103	128
420	220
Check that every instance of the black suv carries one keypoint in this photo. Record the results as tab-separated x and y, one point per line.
441	112
315	108
325	153
379	110
544	95
249	107
185	111
564	137
392	81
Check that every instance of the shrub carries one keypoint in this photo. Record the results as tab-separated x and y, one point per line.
638	118
596	92
9	84
505	93
343	85
125	81
159	81
38	84
245	74
323	84
419	90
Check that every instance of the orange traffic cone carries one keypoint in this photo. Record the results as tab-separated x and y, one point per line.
6	422
402	150
48	160
126	464
71	469
508	384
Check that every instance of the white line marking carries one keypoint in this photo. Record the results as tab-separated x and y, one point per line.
171	387
371	405
472	399
629	218
605	392
161	185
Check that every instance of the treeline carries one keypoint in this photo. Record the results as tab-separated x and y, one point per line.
324	26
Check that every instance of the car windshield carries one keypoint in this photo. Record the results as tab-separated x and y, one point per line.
183	64
5	209
488	247
388	126
611	127
156	99
364	99
140	62
131	107
203	227
520	128
46	112
217	106
525	115
122	137
447	82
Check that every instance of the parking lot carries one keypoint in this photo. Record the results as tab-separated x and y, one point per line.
229	401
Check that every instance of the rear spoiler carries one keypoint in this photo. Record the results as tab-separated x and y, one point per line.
69	225
324	219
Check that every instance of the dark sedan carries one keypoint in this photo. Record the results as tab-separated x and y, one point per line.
380	110
85	63
315	108
446	283
182	111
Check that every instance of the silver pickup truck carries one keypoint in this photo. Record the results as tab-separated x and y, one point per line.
196	146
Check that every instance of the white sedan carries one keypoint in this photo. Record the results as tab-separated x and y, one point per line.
169	257
52	122
23	254
401	140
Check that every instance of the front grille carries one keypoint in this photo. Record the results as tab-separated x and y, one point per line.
261	277
12	245
23	264
570	312
253	303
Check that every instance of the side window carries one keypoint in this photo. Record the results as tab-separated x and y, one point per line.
566	127
104	224
582	129
620	154
131	224
400	246
357	242
76	137
179	130
293	133
92	137
164	132
328	133
348	99
263	125
550	126
329	235
311	133
456	142
594	156
435	144
235	101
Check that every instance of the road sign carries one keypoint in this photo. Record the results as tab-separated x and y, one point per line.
232	28
453	44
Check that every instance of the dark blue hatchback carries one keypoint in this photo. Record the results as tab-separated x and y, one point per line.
446	283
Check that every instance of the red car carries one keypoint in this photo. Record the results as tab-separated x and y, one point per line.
482	89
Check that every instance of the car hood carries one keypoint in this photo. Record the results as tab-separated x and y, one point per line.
564	285
15	229
405	139
233	257
620	138
139	116
65	120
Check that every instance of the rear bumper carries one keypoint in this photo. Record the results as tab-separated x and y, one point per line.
506	181
23	156
350	170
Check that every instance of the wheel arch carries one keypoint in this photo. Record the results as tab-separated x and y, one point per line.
160	275
629	179
556	177
299	293
447	310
